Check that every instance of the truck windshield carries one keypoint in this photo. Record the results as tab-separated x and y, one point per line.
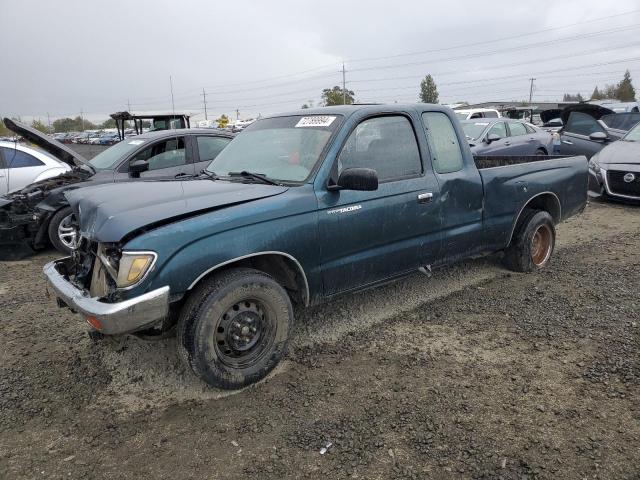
111	157
281	148
473	130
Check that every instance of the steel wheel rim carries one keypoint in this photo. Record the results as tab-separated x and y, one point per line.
244	333
67	232
541	245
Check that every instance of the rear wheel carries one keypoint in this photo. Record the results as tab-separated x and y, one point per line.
533	242
540	152
234	328
62	233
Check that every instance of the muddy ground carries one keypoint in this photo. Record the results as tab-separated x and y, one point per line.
473	373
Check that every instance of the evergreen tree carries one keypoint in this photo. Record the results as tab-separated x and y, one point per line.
428	90
625	91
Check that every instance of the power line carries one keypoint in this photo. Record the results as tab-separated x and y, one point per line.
485	42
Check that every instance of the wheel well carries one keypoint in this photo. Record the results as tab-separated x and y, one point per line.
547	201
284	269
544	150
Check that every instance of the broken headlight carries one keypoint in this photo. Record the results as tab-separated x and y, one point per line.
126	268
133	267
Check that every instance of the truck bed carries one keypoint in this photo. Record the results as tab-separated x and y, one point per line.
509	182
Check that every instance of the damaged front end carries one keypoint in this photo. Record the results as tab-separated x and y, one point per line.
94	282
24	213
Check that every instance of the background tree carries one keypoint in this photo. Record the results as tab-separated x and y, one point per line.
38	125
568	97
625	91
596	95
4	131
334	96
72	124
428	90
223	121
109	123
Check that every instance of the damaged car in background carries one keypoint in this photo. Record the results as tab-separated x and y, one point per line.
39	214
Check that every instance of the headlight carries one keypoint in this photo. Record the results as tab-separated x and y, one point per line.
133	267
593	165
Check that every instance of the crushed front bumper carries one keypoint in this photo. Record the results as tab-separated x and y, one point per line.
109	318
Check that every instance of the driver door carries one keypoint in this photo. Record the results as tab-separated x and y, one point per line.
369	236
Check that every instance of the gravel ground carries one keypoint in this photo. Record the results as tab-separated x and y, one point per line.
473	373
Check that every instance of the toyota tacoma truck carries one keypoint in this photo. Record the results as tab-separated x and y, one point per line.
298	209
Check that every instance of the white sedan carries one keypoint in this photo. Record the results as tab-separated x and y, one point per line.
21	166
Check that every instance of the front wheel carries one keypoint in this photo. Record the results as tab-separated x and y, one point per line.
233	330
533	242
62	233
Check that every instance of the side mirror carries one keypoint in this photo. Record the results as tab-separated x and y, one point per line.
137	167
363	179
598	136
492	137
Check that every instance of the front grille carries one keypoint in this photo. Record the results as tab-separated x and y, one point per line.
617	184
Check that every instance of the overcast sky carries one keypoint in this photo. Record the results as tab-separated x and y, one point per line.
267	56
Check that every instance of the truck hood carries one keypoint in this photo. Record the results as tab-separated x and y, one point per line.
620	152
48	144
108	213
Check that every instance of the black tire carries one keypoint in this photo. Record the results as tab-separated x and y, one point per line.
541	152
532	243
233	329
57	241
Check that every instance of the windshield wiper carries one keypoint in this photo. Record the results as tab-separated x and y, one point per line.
255	176
206	173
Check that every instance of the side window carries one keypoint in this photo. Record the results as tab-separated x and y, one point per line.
210	147
166	154
582	124
385	144
446	152
19	159
475	115
517	129
499	129
529	128
490	114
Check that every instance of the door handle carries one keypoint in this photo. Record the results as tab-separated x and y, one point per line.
567	142
425	197
507	143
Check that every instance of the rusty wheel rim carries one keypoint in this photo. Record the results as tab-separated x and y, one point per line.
541	245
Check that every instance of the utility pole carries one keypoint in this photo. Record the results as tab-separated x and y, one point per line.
128	106
173	105
531	90
344	85
82	117
204	100
237	114
49	122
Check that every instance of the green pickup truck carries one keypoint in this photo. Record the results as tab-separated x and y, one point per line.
298	209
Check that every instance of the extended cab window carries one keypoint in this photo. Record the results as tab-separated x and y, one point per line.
517	129
582	124
19	159
446	152
166	154
385	144
210	147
